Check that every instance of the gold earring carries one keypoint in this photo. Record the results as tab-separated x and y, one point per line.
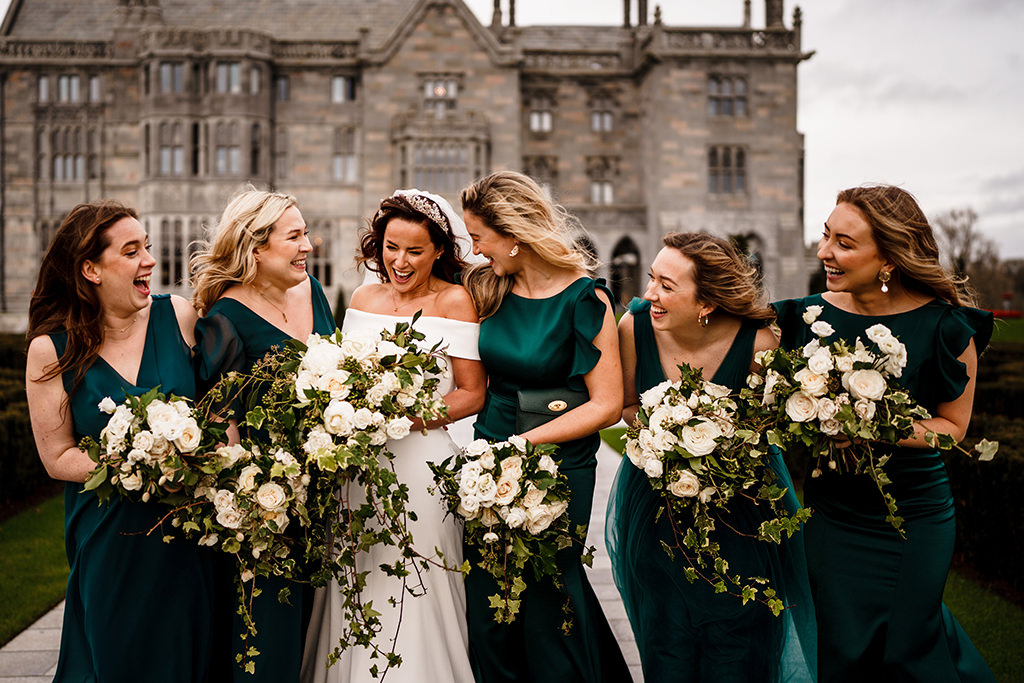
702	319
514	252
883	277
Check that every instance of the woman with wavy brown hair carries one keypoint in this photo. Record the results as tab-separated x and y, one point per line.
95	331
704	306
879	596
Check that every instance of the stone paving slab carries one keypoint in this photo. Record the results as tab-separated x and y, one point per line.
31	657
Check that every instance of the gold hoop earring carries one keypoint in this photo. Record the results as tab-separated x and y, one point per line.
514	251
702	319
884	276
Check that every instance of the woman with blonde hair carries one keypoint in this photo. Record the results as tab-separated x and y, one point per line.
704	306
253	291
878	596
547	330
96	333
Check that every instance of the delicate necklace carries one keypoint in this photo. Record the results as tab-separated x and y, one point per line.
267	299
124	329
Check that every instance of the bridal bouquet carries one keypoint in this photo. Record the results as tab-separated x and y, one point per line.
834	391
147	448
512	500
701	448
322	413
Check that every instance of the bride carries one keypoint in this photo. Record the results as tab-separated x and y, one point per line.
413	245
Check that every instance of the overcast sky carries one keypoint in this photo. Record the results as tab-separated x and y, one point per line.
926	94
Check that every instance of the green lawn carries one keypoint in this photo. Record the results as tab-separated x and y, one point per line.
33	565
996	627
1009	330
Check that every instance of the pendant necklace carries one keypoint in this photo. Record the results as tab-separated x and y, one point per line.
276	307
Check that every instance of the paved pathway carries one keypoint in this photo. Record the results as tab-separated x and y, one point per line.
32	656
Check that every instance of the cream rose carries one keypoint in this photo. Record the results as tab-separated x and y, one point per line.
338	417
335	383
190	436
469	506
665	441
865	383
653	396
686	485
821	362
700	439
843	363
321	357
548	464
634	452
830	426
865	409
512	466
477	448
131	482
801	407
811	314
143	440
229	518
107	405
362	418
247	477
539	518
488	517
271	496
398	428
515	518
811	382
487	460
362	349
822	329
517	442
827	408
507	489
486	489
533	497
654	468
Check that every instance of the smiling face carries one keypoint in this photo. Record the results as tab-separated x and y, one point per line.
121	272
282	260
491	244
848	250
408	254
672	291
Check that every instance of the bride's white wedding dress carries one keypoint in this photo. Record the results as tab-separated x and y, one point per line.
432	637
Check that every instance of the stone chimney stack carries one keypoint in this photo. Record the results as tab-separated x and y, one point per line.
773	14
496	15
625	14
642	7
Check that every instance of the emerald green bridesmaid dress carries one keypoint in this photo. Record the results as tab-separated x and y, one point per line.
685	632
137	609
232	337
536	343
879	597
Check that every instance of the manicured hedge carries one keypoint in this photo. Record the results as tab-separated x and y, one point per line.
21	473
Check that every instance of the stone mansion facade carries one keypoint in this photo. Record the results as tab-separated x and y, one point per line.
172	106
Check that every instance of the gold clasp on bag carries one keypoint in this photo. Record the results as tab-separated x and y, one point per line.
557	406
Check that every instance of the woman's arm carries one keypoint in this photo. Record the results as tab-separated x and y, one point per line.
604	384
187	318
952	417
50	414
627	354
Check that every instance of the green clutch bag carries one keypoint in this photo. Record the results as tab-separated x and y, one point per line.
535	407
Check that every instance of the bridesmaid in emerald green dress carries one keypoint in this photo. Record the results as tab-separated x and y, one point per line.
254	293
878	596
703	307
96	332
544	324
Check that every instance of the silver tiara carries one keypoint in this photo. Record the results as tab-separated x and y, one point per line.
424	205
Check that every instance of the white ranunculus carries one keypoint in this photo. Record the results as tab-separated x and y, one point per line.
107	405
517	442
247	477
821	363
716	390
864	408
507	489
687	485
516	517
131	482
811	382
533	496
830	426
654	468
878	333
801	406
653	396
539	518
700	439
548	464
338	417
512	466
486	489
229	518
811	314
822	329
490	537
843	363
398	428
827	408
271	496
190	436
867	383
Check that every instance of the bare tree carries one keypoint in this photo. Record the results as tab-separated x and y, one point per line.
972	255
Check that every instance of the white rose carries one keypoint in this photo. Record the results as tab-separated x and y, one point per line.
469	506
686	485
865	383
338	417
398	428
318	439
801	407
822	329
486	489
653	396
811	348
539	518
533	497
362	418
229	518
665	441
131	482
634	452
811	382
143	441
164	420
304	381
558	507
716	390
375	395
516	517
334	383
726	426
231	454
700	439
895	363
517	442
811	314
891	346
222	499
279	518
661	418
107	405
865	409
190	436
247	477
843	363
386	347
477	447
654	468
548	464
821	363
512	466
830	426
507	489
681	413
487	460
878	333
693	401
271	496
827	409
136	455
360	348
321	357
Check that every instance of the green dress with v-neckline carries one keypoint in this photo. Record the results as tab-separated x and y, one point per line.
136	608
233	337
685	632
